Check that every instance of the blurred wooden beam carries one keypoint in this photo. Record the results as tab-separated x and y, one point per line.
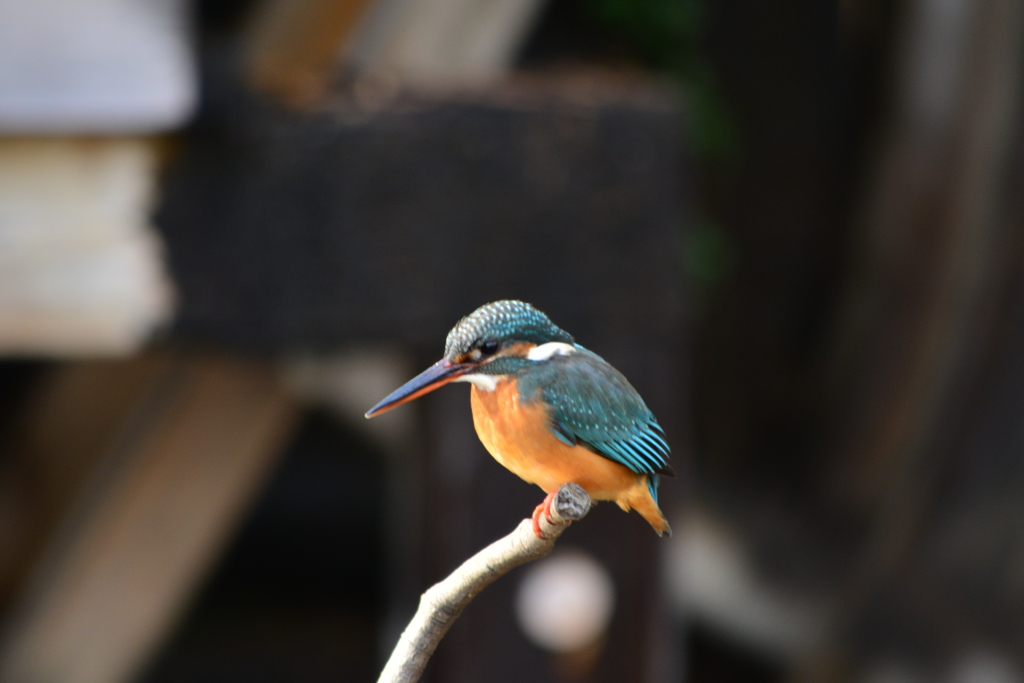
920	321
154	517
446	40
931	265
72	416
293	46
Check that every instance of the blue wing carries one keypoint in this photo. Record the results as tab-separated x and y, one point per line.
592	404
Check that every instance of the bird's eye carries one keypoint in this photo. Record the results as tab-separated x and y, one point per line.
489	347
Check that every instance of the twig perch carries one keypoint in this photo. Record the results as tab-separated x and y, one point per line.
442	604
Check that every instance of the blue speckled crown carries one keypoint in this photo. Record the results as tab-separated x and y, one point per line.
503	320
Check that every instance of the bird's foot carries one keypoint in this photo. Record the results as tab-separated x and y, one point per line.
543	509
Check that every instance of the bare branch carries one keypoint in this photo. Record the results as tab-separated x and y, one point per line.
442	604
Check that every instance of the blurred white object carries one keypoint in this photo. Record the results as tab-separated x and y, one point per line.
350	382
81	271
711	577
985	665
94	66
444	40
565	602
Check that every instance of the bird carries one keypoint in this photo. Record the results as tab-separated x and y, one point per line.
550	410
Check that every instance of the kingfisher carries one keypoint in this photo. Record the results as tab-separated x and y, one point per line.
550	410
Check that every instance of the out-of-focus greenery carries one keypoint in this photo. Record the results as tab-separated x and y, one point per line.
666	35
707	254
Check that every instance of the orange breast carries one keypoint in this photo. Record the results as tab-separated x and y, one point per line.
517	434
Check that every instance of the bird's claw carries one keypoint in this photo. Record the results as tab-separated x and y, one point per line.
545	509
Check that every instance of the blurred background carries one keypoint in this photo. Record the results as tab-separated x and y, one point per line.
229	227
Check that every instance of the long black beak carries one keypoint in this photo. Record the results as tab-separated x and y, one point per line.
437	375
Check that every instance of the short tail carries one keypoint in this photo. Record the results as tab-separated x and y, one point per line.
644	499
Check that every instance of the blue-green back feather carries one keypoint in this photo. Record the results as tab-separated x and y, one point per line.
591	403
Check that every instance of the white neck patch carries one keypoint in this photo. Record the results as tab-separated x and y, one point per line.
538	353
546	351
481	381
